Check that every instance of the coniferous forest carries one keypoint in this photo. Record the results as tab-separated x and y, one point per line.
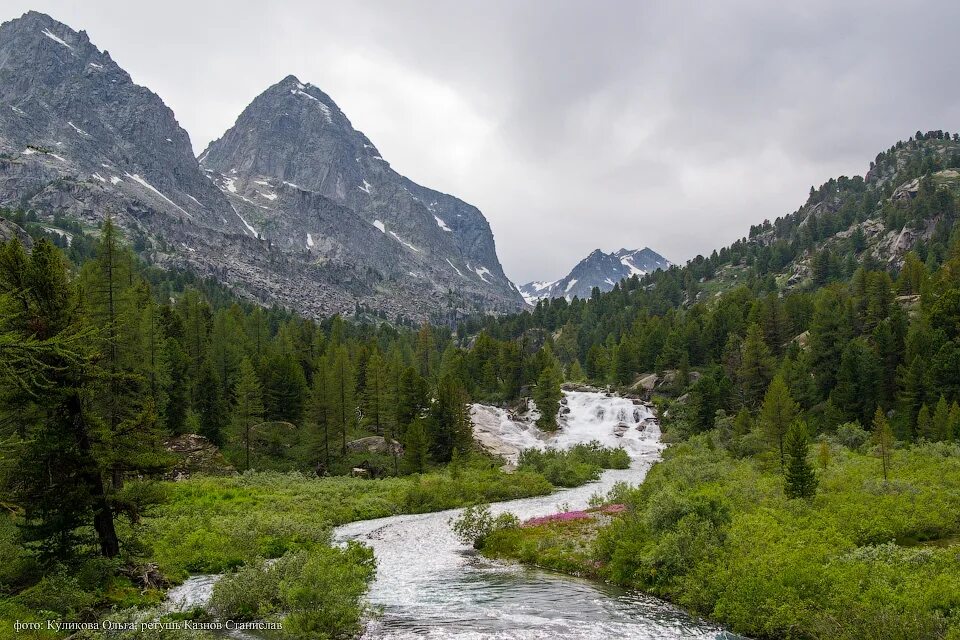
807	380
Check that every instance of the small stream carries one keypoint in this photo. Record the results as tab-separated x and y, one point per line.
429	585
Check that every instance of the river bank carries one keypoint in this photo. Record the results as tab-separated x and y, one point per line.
866	558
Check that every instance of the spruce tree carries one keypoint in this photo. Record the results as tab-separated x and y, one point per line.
800	480
450	420
547	394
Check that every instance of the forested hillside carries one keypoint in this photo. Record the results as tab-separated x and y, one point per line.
812	490
839	322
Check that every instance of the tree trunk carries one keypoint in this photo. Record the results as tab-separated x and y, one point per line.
102	513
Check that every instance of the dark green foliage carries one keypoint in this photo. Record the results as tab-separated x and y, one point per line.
800	480
547	394
575	466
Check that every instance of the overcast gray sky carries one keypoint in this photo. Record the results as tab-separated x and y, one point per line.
572	126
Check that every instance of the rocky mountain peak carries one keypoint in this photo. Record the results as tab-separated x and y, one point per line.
292	205
598	270
293	138
66	108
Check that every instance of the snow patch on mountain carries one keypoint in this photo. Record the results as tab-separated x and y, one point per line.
598	270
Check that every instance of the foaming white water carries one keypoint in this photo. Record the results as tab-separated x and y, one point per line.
611	420
585	416
430	585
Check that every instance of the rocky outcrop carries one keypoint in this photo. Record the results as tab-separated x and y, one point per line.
10	231
375	444
195	455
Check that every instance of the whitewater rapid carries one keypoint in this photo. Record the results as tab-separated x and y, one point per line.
430	585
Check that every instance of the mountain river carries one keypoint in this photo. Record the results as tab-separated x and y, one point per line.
430	585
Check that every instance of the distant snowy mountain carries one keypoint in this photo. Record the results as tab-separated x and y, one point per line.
599	269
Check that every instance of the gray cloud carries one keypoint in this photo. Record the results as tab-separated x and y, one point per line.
572	125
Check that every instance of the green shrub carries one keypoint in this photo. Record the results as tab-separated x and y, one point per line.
575	466
317	592
476	524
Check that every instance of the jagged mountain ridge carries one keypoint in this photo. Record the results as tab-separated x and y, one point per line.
71	114
600	270
294	140
79	138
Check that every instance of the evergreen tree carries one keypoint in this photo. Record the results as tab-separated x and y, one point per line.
211	407
800	480
883	439
65	442
756	366
376	401
342	390
925	423
320	415
284	385
547	394
941	421
413	398
777	414
248	407
416	446
450	421
829	333
953	423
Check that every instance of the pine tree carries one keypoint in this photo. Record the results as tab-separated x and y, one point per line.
884	441
800	480
777	414
248	407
